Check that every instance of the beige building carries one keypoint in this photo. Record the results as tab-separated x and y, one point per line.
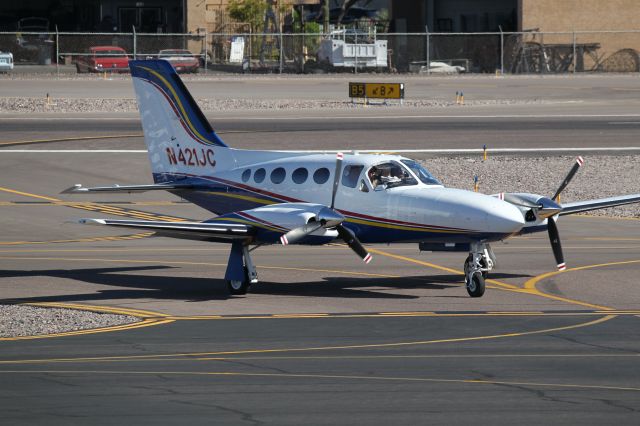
616	51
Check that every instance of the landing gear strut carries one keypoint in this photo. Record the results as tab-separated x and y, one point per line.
241	272
480	261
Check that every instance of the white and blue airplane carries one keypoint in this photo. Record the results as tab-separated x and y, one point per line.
271	197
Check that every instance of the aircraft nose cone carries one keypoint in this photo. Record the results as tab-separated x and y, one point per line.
505	218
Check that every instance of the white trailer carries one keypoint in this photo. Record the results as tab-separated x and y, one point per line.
338	52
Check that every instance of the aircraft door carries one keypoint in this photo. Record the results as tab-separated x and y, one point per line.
360	196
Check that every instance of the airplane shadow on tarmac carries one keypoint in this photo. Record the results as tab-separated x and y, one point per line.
133	285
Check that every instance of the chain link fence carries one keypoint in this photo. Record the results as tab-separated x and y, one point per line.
528	52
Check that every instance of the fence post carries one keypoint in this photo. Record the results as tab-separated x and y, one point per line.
57	54
135	48
281	51
574	52
426	29
355	52
501	51
206	49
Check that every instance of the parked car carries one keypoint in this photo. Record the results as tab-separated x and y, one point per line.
6	61
181	59
103	59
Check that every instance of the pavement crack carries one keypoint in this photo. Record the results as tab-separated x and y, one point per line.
617	404
259	367
50	378
245	417
594	345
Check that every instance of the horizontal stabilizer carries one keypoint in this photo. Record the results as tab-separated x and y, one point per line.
206	231
79	189
602	203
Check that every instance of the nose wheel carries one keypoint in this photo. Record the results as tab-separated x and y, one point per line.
475	284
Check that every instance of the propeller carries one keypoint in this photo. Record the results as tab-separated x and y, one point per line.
572	173
548	208
554	238
328	217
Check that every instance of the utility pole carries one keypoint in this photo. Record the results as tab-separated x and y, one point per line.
325	16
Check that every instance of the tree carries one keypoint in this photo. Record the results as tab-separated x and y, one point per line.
249	11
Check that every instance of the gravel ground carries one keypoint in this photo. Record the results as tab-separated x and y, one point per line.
24	320
25	105
601	176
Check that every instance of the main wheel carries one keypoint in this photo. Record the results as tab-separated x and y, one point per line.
475	286
237	287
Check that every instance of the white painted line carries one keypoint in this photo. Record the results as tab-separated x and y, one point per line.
75	151
212	115
367	151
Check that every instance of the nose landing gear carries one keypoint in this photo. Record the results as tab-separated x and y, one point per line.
480	261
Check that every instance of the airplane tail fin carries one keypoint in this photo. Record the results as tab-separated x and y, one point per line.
178	136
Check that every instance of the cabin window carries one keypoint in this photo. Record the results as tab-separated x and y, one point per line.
363	186
278	175
246	175
300	175
259	175
350	175
321	176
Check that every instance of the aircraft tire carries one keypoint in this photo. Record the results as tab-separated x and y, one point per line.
475	286
237	287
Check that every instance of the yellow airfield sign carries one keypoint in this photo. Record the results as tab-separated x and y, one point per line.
376	90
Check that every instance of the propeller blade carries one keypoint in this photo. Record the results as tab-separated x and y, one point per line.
352	241
297	234
326	218
572	172
336	177
554	237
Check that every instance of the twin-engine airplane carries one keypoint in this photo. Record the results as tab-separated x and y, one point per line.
270	197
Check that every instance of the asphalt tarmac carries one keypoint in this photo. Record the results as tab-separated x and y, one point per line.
323	338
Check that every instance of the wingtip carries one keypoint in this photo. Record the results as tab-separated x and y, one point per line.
88	221
74	189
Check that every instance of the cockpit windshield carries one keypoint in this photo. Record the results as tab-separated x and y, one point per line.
390	175
422	173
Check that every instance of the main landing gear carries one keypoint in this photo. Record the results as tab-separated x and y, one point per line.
241	272
480	261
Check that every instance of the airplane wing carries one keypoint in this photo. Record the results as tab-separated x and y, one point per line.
585	206
79	189
202	231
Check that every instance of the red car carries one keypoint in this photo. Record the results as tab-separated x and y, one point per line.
102	59
182	60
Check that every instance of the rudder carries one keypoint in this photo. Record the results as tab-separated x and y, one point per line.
178	136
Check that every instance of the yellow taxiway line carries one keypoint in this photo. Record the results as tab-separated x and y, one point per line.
206	355
332	377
